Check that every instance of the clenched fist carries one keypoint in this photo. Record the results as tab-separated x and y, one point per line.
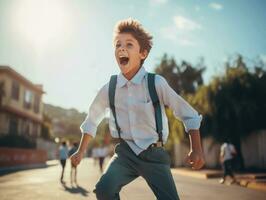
195	159
76	158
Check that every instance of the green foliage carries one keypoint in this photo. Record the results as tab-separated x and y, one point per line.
233	104
182	77
176	130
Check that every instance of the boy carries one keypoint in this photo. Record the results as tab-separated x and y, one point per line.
139	152
227	154
63	155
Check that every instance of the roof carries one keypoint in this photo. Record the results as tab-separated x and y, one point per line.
8	70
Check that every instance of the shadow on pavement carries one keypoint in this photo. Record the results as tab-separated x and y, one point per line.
9	170
77	189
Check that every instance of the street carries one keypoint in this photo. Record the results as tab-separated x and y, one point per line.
43	184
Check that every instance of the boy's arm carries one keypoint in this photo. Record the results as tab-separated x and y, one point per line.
188	115
78	155
181	108
195	156
89	125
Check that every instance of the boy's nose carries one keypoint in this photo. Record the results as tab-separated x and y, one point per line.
122	49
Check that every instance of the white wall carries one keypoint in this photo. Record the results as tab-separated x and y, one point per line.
254	150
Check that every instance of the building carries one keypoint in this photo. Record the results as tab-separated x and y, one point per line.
20	104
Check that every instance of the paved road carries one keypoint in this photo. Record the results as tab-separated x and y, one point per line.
43	184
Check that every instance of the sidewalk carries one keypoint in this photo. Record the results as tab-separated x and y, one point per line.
250	180
6	170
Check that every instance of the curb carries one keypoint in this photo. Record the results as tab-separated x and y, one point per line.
257	185
247	181
203	174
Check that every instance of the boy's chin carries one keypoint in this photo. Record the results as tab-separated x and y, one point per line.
124	69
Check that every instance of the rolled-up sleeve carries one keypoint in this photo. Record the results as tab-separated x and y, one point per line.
96	112
181	109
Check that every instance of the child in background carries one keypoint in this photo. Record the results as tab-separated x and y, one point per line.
73	171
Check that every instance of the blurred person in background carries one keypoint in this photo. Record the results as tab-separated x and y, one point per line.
63	155
103	151
73	171
227	154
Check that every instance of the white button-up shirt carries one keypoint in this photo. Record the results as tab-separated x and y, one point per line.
135	112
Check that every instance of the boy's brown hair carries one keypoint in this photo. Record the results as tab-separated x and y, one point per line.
135	28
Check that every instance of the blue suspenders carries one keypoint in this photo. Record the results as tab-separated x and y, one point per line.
154	98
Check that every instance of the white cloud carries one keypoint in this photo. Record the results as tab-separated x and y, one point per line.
169	33
172	33
158	1
185	24
216	6
186	42
180	32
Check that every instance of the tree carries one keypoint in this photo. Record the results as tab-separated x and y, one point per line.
183	78
234	103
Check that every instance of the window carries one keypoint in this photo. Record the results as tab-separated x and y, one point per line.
15	90
36	105
27	99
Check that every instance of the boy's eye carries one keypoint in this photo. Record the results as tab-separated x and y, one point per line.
129	44
117	45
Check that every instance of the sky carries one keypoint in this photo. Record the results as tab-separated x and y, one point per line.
66	45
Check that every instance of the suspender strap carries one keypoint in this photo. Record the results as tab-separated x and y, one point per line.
156	105
111	93
154	98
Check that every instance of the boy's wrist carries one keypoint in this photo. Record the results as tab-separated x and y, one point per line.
80	151
196	150
195	143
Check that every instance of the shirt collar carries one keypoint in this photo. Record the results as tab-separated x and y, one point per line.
121	80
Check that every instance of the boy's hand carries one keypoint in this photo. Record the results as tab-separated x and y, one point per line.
76	158
195	159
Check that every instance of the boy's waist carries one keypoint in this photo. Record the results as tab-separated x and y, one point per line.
157	144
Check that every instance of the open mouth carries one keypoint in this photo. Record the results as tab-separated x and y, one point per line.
123	60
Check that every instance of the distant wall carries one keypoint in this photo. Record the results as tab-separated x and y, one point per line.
211	153
14	157
180	152
51	148
254	150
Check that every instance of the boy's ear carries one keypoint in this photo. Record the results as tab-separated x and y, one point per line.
143	54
